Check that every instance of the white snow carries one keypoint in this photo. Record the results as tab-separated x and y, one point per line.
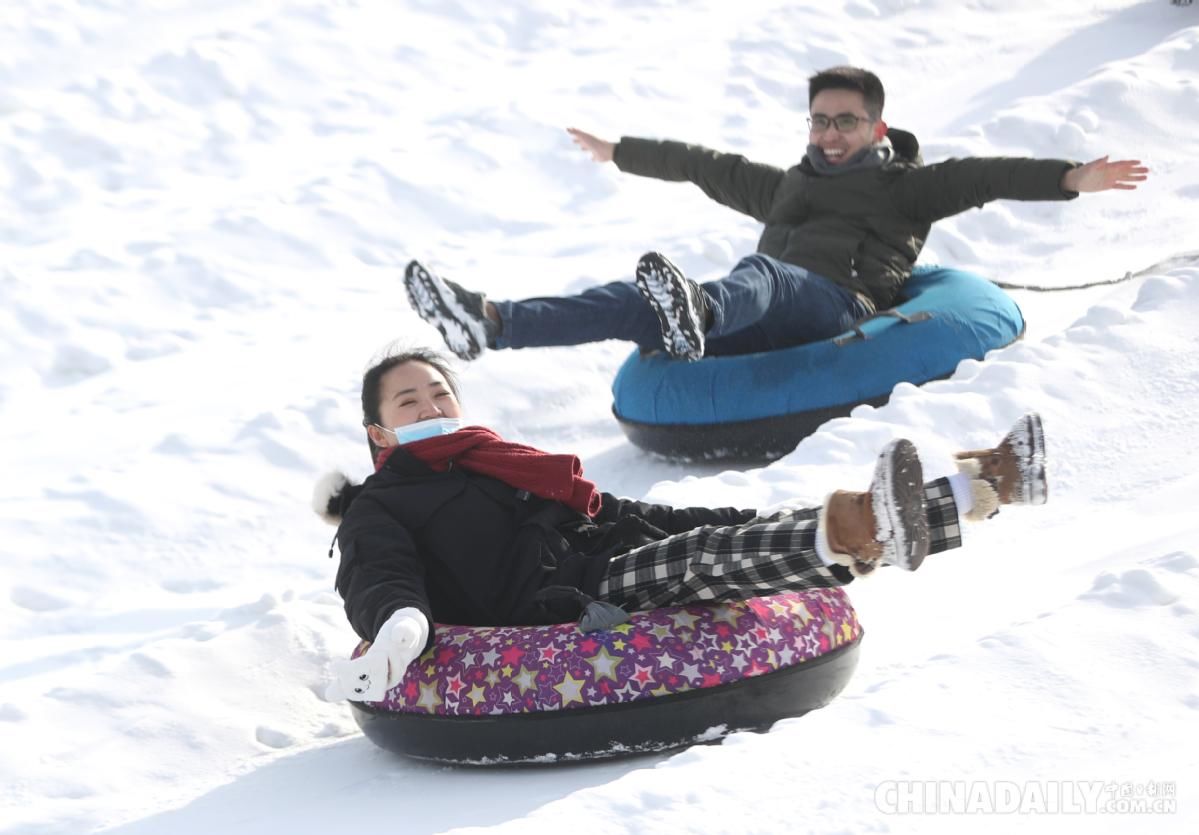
205	216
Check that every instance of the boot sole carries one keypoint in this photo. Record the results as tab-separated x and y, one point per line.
899	511
663	287
1029	437
428	297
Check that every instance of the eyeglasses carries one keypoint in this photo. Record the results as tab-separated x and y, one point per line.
844	122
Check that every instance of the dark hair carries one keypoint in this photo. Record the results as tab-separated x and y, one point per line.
374	374
850	78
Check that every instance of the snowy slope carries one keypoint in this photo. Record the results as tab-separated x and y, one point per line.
206	211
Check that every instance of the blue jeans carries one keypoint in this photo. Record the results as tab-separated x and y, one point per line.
762	305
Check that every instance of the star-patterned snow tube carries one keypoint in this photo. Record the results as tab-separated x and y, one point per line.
760	406
668	678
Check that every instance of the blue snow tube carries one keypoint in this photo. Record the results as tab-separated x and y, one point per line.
760	406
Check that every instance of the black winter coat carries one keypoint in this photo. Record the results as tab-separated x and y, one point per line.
862	229
467	549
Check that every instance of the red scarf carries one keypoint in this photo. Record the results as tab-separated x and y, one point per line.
478	449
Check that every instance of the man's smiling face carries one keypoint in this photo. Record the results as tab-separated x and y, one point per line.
839	146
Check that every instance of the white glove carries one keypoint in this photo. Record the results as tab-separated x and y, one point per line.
368	677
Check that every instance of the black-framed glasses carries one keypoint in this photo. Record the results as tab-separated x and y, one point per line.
844	122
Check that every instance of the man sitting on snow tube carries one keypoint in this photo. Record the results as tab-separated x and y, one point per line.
843	229
459	526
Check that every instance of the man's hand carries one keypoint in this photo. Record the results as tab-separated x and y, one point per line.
601	150
382	667
1101	175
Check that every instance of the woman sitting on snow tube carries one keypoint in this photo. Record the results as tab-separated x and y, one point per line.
457	526
502	695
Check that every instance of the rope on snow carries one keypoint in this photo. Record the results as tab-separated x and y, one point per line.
1174	261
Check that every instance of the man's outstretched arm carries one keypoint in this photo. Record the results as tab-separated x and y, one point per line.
601	150
1101	175
729	179
946	188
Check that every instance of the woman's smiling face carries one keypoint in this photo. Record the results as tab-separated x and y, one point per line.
412	392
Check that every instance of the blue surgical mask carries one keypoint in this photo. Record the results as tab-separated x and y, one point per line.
424	429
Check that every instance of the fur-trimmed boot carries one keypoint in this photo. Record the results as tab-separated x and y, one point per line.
1011	473
886	525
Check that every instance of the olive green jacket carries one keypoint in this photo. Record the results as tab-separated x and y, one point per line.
863	229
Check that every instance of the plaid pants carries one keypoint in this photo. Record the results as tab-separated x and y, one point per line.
762	556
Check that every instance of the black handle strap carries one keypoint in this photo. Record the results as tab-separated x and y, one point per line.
858	333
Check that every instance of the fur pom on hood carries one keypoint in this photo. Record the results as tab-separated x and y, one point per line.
331	496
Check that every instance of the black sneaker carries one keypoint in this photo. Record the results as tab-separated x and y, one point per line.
679	303
458	314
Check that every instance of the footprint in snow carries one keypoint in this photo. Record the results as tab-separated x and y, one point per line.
152	665
11	713
36	600
1158	291
1130	589
273	738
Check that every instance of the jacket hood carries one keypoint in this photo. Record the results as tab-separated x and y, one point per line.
906	146
332	495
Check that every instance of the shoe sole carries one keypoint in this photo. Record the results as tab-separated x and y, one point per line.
1028	441
898	503
663	287
430	298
